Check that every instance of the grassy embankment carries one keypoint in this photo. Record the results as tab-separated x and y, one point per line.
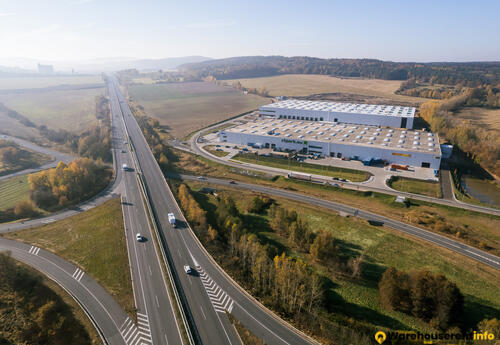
35	310
93	240
289	164
175	105
17	83
477	229
13	190
410	185
381	248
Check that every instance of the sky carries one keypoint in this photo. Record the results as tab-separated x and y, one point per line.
422	31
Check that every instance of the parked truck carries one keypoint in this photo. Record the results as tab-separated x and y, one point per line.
171	219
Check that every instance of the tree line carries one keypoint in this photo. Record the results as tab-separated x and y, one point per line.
479	144
423	294
469	74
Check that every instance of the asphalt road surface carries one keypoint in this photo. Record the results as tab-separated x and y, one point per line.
157	323
97	303
209	291
454	245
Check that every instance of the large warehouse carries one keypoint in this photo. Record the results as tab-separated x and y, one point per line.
364	114
363	142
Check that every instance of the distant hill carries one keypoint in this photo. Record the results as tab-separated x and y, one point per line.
468	73
100	65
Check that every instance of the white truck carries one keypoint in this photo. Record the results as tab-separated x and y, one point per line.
171	219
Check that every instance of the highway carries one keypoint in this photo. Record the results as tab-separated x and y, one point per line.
98	304
156	320
442	241
209	292
195	148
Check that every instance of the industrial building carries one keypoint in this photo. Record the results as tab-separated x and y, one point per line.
334	139
363	114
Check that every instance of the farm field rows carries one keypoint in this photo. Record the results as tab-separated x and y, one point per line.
483	117
186	107
13	190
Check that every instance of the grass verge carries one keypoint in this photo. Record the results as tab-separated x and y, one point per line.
410	185
93	240
213	150
288	164
246	337
13	190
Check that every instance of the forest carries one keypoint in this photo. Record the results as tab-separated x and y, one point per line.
470	74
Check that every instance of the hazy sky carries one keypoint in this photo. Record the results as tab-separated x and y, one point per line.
389	30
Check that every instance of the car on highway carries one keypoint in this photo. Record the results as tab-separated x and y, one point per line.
125	142
188	269
232	182
201	178
123	151
139	237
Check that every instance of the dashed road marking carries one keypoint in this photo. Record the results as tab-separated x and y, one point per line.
78	274
34	250
219	298
139	334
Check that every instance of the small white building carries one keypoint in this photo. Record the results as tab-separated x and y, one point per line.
363	142
362	114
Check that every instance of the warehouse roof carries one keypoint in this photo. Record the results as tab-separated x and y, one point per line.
340	133
371	109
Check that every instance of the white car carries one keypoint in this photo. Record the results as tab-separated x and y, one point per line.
139	237
188	269
201	178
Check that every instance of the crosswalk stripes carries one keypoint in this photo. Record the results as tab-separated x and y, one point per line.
78	274
219	298
139	334
34	250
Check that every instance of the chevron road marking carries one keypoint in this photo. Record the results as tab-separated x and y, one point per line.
78	274
219	298
34	250
137	335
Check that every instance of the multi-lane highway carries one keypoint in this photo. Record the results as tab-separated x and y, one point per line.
210	292
102	309
156	320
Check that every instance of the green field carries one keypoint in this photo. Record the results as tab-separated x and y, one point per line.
186	107
381	248
42	82
13	190
289	164
93	240
299	85
72	110
410	185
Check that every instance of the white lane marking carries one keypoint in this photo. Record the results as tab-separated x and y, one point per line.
220	300
166	338
203	312
150	272
136	335
157	303
47	221
34	250
78	274
482	256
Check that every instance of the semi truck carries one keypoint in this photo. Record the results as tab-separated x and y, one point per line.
294	175
171	219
